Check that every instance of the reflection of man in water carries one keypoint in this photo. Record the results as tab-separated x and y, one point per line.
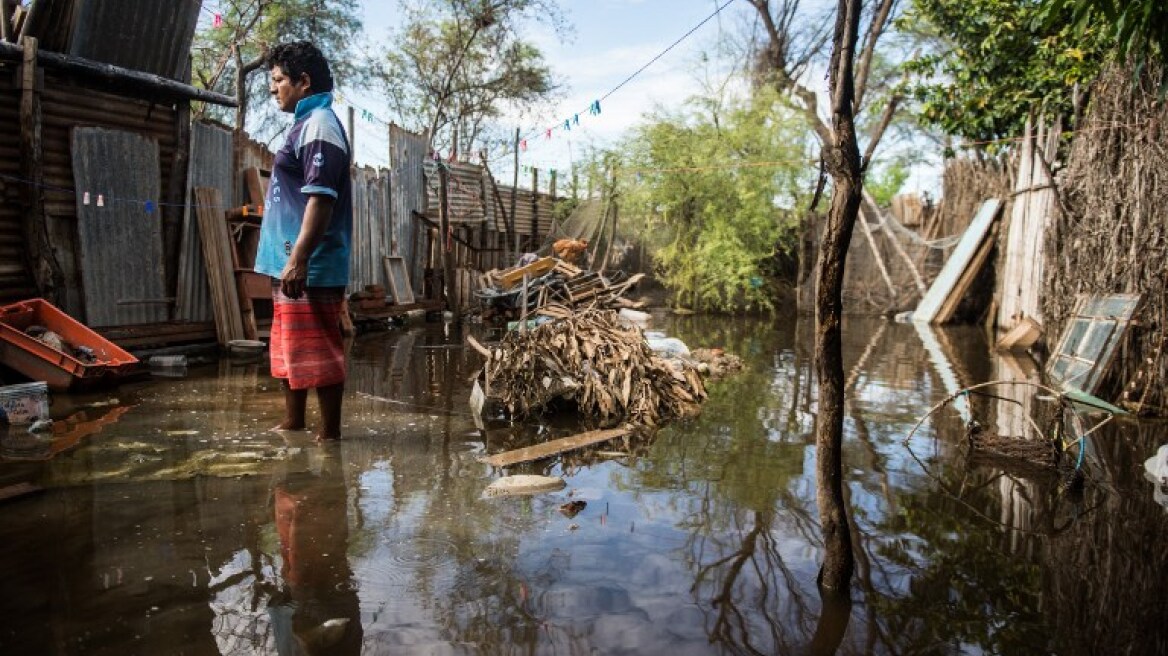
318	611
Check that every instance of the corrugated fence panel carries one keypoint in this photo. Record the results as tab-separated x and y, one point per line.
66	106
464	188
142	35
210	166
407	153
372	232
15	281
120	239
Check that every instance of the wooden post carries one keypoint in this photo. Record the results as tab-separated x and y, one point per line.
508	219
486	206
552	186
612	235
443	232
46	273
352	135
176	193
534	208
5	32
514	194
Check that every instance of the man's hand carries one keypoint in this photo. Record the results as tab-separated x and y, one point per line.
294	278
317	214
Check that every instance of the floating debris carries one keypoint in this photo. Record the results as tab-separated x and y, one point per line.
523	484
595	360
718	363
572	508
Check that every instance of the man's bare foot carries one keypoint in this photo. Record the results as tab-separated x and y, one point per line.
327	437
288	425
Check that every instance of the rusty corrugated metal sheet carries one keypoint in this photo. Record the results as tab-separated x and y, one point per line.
464	189
64	107
407	152
119	237
210	166
141	35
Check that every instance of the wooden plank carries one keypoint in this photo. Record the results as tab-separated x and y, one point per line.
1021	336
220	273
536	269
18	490
399	280
538	451
949	307
965	253
246	309
257	186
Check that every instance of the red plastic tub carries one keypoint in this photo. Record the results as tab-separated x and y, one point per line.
60	370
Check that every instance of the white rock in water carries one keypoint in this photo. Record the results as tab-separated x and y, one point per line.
1157	466
523	484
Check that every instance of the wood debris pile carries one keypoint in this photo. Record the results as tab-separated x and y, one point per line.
552	281
715	362
593	359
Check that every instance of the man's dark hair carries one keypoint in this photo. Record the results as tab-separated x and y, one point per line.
300	57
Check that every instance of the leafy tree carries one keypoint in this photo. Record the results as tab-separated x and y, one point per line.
1137	28
712	216
455	64
225	56
885	181
990	63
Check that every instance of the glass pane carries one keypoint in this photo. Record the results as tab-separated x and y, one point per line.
1097	338
1058	368
1075	336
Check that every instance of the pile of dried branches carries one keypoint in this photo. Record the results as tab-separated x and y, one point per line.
1112	235
596	361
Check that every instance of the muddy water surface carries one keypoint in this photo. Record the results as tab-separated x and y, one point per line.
170	521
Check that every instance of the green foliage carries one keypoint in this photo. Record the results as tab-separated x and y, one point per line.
253	26
886	181
456	64
992	62
715	191
1138	28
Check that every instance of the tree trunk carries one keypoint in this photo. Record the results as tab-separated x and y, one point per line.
842	160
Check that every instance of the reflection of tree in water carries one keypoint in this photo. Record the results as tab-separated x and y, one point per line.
745	469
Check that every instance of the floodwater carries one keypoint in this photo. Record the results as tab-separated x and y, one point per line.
170	521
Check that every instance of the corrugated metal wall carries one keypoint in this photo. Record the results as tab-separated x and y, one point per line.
464	190
15	281
372	230
210	166
141	35
467	190
119	227
407	152
65	106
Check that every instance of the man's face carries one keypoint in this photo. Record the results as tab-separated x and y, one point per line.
287	91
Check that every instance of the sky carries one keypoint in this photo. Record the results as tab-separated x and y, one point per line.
609	40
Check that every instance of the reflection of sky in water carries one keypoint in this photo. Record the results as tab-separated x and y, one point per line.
706	541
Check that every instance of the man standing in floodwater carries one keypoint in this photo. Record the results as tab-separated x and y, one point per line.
305	238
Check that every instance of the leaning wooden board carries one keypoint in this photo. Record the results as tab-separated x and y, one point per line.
948	282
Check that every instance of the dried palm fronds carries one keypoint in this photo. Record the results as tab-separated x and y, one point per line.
595	360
